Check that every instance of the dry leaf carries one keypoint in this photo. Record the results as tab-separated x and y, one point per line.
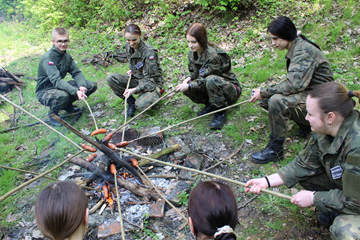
12	217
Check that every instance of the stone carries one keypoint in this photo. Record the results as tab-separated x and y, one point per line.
175	189
157	209
194	161
36	233
182	152
109	228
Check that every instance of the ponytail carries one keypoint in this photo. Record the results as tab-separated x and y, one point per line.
312	43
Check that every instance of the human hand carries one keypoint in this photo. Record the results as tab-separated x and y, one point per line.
81	95
183	87
302	198
128	73
256	95
129	92
187	80
256	185
83	89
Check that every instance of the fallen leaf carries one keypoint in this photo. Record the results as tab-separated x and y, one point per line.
12	217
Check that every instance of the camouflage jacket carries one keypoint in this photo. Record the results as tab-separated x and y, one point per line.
53	67
307	67
212	61
321	155
145	67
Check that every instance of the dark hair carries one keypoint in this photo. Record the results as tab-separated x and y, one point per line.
284	28
333	97
198	31
212	205
133	29
60	209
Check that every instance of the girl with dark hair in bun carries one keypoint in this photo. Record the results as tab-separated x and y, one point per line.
145	71
210	80
61	211
307	68
212	211
329	165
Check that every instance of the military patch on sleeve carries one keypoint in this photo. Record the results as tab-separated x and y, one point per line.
51	63
202	71
154	68
139	65
151	57
336	172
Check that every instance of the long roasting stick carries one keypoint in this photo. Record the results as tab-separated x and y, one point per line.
206	173
91	113
132	119
3	197
41	121
192	119
125	118
113	171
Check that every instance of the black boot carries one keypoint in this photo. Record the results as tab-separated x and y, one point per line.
53	122
327	219
71	109
304	131
131	107
208	108
271	153
218	120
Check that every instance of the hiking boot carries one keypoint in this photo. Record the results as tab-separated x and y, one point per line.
273	151
327	219
131	107
304	131
71	109
53	122
218	120
208	108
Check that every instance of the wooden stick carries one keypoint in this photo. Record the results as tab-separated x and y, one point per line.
119	208
91	113
207	174
35	123
162	195
125	102
55	179
22	101
207	114
132	119
96	206
3	197
41	121
15	78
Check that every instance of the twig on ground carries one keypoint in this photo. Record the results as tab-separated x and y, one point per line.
243	205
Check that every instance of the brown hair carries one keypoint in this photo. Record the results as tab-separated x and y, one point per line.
198	31
212	205
133	29
60	209
333	97
59	31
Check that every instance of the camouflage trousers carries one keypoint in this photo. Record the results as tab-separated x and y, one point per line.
345	226
281	107
118	83
58	99
216	91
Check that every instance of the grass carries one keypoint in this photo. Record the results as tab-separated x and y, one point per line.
23	46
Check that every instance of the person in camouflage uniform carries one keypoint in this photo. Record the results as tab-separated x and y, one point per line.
329	165
51	89
145	72
210	80
307	68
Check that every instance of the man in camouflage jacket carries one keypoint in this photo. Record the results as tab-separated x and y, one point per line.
212	82
307	67
146	77
51	89
331	167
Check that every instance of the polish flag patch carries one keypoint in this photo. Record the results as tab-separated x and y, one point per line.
51	63
151	58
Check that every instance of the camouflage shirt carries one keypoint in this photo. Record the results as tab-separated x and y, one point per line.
323	153
53	67
307	67
212	61
145	67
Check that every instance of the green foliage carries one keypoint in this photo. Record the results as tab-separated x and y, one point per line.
223	5
184	198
